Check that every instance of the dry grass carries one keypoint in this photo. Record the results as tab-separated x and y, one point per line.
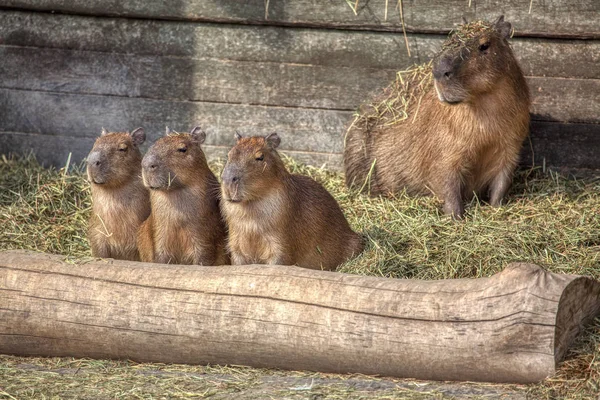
548	220
398	102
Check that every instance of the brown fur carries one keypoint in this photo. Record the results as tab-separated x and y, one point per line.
185	226
465	137
275	217
120	202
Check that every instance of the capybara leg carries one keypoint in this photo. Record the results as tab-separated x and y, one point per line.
101	250
499	187
281	259
453	201
239	259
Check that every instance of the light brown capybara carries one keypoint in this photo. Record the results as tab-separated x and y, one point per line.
465	125
275	217
185	225
120	202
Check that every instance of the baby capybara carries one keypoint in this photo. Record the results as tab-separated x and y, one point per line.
185	225
275	217
120	202
463	130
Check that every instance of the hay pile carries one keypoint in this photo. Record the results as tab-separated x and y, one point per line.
548	220
398	101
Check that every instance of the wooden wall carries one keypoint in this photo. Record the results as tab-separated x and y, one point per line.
299	67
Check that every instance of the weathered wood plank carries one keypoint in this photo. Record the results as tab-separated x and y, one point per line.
275	84
84	115
55	150
560	58
562	145
197	79
571	100
551	17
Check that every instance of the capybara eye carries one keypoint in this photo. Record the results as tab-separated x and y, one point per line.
260	158
484	47
182	149
123	147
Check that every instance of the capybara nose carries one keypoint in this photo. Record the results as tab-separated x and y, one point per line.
150	163
444	68
94	159
230	175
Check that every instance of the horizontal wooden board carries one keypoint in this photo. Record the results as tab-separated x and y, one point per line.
56	123
77	115
57	151
550	17
571	146
556	144
198	79
243	82
354	49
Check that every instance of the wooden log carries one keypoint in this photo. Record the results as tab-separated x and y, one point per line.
512	327
551	18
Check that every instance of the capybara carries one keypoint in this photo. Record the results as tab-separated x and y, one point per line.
275	217
120	202
185	225
461	132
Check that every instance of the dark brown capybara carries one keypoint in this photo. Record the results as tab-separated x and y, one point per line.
462	130
120	202
185	225
275	217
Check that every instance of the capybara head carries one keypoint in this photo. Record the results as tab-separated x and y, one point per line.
474	59
115	158
174	161
253	167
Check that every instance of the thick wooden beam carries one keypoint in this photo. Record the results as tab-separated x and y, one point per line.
512	327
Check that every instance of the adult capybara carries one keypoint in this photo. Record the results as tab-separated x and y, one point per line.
451	130
275	217
120	202
185	225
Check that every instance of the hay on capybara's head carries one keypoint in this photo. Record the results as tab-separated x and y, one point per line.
464	33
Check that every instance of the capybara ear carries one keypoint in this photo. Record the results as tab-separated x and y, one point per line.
198	134
103	132
167	131
139	136
272	140
238	136
503	27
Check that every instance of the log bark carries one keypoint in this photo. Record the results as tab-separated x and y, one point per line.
514	326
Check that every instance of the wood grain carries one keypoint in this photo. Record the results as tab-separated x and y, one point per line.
550	18
243	82
501	329
353	49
